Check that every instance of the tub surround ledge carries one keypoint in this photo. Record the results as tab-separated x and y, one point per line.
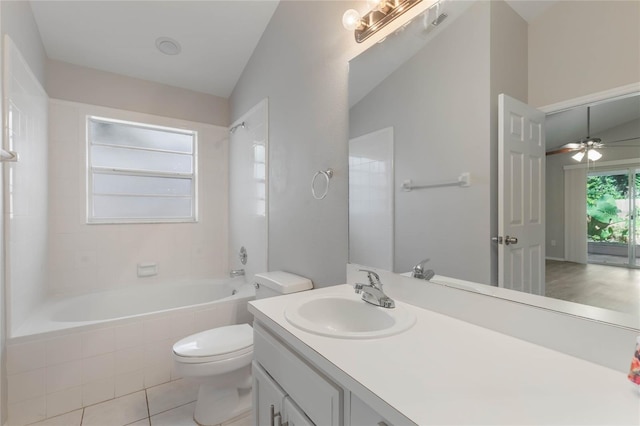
447	371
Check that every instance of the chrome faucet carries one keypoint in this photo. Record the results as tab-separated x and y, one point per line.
236	273
372	292
419	272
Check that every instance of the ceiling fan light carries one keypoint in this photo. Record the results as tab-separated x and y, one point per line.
594	155
578	156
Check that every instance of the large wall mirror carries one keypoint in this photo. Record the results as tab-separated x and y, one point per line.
424	142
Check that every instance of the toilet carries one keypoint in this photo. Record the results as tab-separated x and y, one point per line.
220	359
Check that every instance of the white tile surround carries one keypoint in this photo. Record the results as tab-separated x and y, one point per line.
98	257
25	197
53	375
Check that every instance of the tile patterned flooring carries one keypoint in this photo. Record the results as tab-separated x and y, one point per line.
169	404
608	287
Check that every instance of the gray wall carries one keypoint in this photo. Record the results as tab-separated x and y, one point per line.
19	24
570	57
86	85
555	181
301	65
444	114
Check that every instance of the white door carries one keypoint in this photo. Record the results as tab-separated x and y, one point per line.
521	187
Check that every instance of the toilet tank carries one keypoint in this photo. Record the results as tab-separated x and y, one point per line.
277	283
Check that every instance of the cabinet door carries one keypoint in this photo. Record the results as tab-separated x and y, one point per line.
293	415
363	415
266	393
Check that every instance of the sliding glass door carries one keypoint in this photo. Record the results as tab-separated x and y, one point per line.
613	230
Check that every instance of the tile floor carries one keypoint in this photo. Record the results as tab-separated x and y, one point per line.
169	404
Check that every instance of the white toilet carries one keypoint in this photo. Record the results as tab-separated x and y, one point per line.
220	358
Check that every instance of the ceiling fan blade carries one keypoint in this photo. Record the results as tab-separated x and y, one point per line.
623	140
619	146
569	147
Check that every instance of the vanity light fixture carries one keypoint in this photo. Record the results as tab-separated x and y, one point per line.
380	14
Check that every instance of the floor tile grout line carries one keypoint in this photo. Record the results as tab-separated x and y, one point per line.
164	411
82	416
146	396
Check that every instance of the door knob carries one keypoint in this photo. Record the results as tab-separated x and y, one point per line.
510	240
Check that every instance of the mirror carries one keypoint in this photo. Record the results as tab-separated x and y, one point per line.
423	114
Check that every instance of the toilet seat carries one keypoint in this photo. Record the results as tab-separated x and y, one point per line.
217	344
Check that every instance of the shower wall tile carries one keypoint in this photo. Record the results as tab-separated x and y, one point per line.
29	411
64	401
85	258
129	335
98	391
26	209
28	385
63	376
63	349
25	357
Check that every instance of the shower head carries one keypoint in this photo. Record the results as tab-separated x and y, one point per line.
234	128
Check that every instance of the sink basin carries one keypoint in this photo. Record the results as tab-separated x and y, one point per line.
347	317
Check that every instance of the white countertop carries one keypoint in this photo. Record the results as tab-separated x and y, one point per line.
446	371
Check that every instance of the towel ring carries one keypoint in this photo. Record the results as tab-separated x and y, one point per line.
328	174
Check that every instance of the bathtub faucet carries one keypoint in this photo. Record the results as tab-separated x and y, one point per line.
236	273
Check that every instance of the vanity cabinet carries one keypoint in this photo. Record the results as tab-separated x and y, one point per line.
300	394
272	405
363	415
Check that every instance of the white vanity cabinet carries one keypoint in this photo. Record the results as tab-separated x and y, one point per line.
300	394
291	390
272	405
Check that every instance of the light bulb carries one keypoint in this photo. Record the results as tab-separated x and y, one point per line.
594	155
351	19
578	156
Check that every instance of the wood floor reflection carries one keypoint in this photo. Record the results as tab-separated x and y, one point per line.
608	287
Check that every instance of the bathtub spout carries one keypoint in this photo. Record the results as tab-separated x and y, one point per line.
236	273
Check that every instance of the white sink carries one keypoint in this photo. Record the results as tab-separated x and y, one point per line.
348	317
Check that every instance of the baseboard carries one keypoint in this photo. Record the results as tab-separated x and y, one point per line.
559	259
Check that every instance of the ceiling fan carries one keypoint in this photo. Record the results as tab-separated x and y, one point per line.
587	146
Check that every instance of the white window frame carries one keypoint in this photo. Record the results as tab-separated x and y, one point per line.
138	172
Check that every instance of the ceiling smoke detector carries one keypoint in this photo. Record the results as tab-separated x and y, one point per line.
168	46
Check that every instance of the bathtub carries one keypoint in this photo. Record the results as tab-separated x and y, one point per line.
114	343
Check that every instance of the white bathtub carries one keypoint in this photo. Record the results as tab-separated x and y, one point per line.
132	302
110	344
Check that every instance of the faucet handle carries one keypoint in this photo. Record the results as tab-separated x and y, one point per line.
358	287
371	275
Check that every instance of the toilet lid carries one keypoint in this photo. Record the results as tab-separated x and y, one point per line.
217	341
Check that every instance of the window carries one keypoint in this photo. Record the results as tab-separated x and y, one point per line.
139	173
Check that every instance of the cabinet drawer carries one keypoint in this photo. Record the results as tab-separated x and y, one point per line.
320	399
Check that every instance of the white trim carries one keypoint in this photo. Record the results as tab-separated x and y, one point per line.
603	164
559	259
605	95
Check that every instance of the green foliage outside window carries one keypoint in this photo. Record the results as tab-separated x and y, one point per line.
604	222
